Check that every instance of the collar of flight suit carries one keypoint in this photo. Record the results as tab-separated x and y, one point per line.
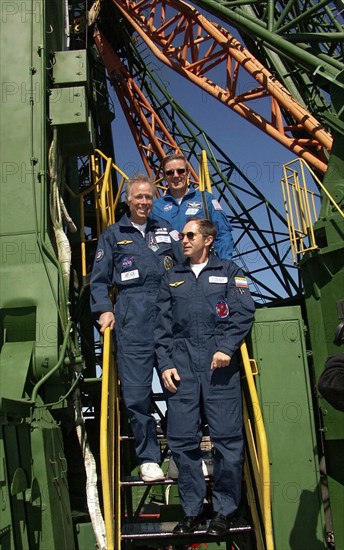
152	224
189	195
213	263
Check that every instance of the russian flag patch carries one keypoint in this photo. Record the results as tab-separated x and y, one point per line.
241	282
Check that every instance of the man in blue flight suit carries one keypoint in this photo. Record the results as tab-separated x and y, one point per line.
205	310
132	256
182	203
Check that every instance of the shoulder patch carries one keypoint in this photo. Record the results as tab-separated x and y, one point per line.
124	242
216	204
177	283
99	255
241	282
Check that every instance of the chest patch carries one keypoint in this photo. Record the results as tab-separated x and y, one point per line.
191	211
128	275
127	262
222	309
168	263
168	207
163	239
152	244
218	280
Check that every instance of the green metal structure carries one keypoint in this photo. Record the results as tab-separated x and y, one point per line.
56	112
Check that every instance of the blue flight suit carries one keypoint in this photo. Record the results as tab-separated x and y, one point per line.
134	265
191	206
196	318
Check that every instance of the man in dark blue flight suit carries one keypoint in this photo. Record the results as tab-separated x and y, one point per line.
205	310
182	203
132	255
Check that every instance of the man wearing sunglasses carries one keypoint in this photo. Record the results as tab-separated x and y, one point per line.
205	310
182	203
132	256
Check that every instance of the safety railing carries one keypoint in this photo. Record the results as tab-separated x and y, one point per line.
258	455
105	203
109	442
300	206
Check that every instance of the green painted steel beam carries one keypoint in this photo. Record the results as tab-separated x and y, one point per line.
259	30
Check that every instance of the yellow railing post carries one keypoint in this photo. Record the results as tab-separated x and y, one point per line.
107	435
260	458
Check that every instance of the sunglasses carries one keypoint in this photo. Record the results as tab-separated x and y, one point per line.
179	171
190	235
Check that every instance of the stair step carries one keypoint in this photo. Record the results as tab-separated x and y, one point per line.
126	438
164	530
136	481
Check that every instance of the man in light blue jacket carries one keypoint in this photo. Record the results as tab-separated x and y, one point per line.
182	203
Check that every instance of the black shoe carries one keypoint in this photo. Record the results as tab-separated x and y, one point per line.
219	525
189	524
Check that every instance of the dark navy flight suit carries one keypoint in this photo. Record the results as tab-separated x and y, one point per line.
191	206
134	265
196	318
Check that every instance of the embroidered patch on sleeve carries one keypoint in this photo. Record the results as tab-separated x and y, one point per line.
241	282
99	255
216	204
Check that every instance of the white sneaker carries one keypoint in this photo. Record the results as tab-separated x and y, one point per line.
150	471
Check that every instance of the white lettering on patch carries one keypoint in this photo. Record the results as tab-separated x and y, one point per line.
191	211
128	275
218	280
162	238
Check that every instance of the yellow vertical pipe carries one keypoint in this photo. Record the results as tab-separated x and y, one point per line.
105	437
263	455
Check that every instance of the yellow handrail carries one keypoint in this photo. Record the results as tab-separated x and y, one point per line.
260	458
107	435
300	207
110	438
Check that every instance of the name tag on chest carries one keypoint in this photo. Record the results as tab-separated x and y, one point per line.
128	275
218	280
162	238
191	211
